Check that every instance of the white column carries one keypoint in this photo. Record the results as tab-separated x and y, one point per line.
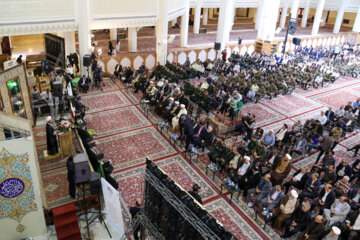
255	16
205	16
83	19
294	8
68	43
306	14
356	26
162	32
323	18
224	22
132	39
197	17
258	14
269	18
184	28
173	22
61	34
340	15
113	34
317	18
211	13
284	14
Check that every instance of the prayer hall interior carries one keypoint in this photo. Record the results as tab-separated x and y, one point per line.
180	119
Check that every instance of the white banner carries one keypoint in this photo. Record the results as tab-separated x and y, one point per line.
112	207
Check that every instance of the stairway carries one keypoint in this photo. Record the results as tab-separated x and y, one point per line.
66	222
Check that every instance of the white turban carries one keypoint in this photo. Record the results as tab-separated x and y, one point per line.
182	105
288	156
177	102
48	118
294	193
336	230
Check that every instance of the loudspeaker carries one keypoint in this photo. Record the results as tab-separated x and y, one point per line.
239	41
57	90
296	41
217	46
86	60
95	183
82	170
292	27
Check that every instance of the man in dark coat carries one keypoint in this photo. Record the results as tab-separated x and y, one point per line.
326	146
348	229
298	180
134	211
71	176
51	141
298	221
195	193
313	230
250	180
187	129
326	198
311	189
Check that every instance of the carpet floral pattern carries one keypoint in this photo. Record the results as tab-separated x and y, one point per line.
131	148
102	102
116	121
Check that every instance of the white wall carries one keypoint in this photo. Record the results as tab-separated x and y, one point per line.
33	221
35	10
123	8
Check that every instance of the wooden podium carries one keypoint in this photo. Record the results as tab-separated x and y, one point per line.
66	144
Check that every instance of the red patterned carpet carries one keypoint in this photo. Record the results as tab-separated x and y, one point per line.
126	136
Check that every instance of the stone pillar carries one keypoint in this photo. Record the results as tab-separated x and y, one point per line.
113	34
83	19
323	18
317	18
340	15
284	14
173	22
224	22
258	14
306	14
294	8
132	39
205	16
269	18
211	13
197	17
356	26
162	32
255	16
184	28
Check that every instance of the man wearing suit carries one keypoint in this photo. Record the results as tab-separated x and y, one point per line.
326	146
350	230
300	218
329	115
326	198
300	146
250	180
343	169
354	198
260	190
272	200
313	230
271	158
355	170
298	180
311	189
188	131
338	211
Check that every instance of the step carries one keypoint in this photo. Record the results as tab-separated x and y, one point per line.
64	219
64	209
73	232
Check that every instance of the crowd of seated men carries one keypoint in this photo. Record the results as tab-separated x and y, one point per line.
259	165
